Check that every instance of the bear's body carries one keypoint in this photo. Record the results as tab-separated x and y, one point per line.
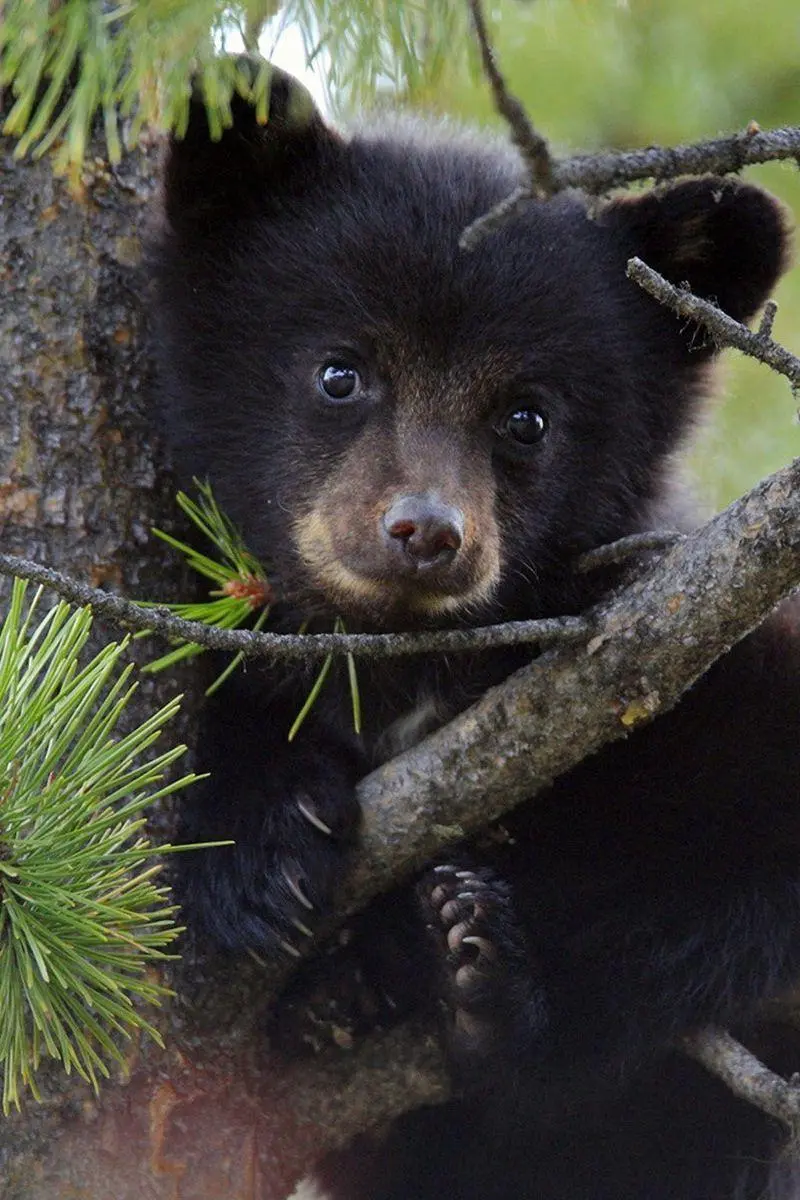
411	435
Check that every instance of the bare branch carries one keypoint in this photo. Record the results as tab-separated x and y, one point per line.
289	647
746	1075
625	548
652	641
725	330
495	218
599	173
532	146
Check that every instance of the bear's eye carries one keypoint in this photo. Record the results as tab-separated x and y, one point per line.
526	426
339	381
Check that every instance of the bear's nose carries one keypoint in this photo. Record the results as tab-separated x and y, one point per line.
427	531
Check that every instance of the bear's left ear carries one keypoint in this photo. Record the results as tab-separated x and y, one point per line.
728	241
208	182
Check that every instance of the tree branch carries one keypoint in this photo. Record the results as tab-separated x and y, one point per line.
725	331
635	544
600	173
533	147
746	1075
651	642
291	647
597	174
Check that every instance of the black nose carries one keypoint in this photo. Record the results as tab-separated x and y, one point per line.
427	531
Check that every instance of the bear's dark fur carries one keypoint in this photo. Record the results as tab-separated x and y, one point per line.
411	435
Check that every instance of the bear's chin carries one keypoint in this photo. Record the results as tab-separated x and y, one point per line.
383	604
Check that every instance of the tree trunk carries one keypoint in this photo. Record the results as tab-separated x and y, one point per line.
82	479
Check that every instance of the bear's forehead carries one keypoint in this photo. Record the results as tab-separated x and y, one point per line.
382	260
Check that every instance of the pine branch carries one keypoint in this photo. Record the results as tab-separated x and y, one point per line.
64	65
82	918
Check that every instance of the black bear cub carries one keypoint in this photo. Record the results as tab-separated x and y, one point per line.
415	436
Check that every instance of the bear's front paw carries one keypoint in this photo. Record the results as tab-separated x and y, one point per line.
485	963
268	891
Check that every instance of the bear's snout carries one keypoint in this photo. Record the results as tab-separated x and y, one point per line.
422	532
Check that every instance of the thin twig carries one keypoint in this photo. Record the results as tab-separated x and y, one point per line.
533	147
745	1074
293	647
725	330
601	173
495	218
767	319
627	547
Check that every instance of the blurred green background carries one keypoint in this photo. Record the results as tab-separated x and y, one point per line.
611	73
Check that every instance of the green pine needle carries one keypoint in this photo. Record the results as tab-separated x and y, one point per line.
82	916
242	587
311	698
352	677
131	63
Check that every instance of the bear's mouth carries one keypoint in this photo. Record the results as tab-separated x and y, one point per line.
356	583
388	601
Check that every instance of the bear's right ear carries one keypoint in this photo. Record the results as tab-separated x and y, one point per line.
208	182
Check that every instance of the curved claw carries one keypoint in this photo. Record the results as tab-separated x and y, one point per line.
485	948
308	812
296	890
289	948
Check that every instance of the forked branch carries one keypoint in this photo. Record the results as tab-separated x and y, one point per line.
600	173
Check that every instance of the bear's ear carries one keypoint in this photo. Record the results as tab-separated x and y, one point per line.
728	241
207	182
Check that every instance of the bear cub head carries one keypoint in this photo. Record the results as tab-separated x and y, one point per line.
408	432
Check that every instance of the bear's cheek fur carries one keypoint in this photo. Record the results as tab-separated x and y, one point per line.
341	537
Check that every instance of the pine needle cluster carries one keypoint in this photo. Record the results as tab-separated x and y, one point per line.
83	918
242	589
242	586
130	62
